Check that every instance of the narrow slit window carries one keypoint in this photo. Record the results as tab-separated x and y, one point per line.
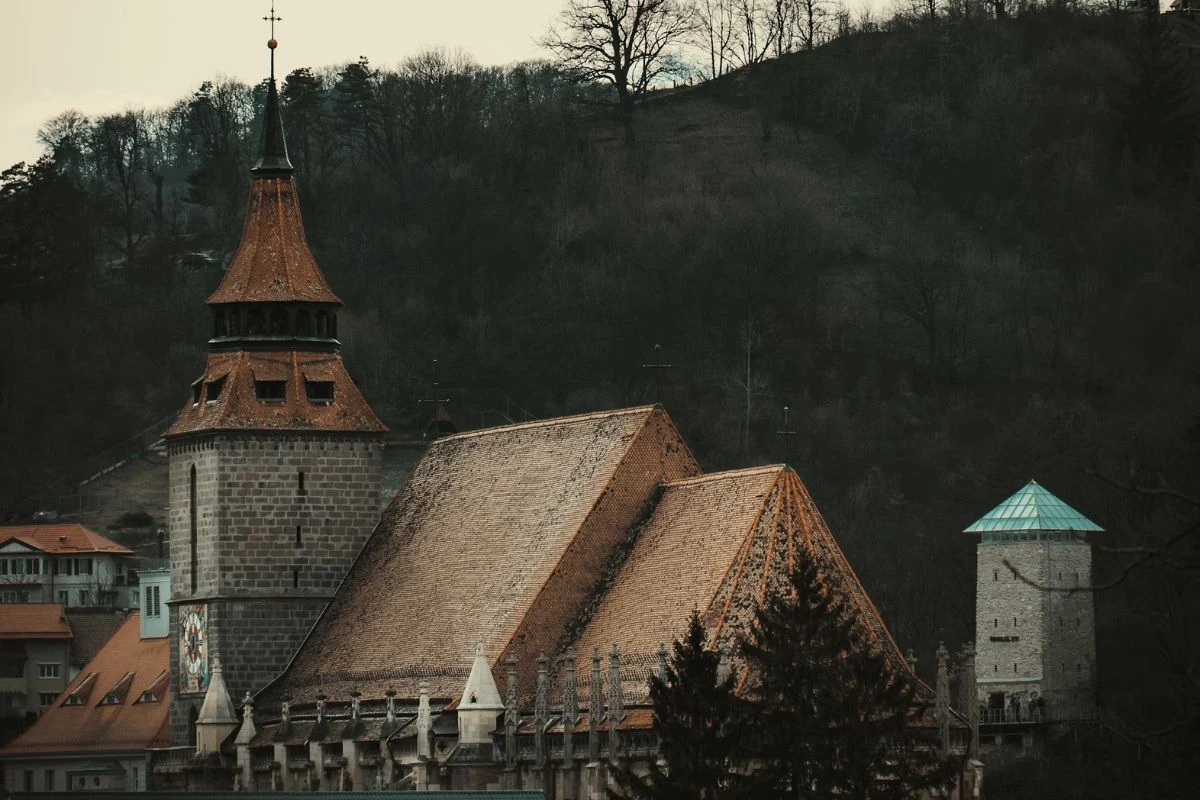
300	483
295	579
299	540
270	391
995	574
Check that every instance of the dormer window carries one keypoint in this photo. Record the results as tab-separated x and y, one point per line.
319	392
213	389
116	695
270	391
147	697
196	387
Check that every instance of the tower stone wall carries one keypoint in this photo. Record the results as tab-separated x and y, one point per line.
1031	638
279	520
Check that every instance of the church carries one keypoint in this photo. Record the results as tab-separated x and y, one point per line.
497	627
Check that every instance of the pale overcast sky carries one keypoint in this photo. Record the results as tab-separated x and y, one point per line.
101	56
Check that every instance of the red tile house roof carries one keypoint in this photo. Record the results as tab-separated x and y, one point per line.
33	621
498	537
273	262
227	398
106	708
61	539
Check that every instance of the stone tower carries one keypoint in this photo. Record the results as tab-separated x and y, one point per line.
1036	640
275	460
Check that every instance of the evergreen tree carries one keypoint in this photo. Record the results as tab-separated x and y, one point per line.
693	719
827	715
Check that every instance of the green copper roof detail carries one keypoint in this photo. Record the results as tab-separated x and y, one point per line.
1032	508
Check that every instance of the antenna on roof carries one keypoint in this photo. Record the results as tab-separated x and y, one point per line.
657	367
441	424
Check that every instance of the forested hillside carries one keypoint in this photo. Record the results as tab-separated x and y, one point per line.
962	253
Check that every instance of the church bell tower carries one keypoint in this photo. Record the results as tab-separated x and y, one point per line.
1035	632
275	459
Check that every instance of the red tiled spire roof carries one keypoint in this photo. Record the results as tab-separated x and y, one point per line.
273	263
238	408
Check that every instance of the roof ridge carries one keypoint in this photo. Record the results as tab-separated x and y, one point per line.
538	423
728	474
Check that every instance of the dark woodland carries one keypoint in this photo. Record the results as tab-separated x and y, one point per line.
961	251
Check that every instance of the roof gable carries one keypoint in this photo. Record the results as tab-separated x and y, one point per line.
1032	508
719	544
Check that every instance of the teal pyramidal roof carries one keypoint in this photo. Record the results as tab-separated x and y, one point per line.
1032	508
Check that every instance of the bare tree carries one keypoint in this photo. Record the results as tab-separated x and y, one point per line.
717	31
625	43
756	36
119	142
749	384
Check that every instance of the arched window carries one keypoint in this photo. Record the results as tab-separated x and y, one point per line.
303	323
256	321
235	323
322	324
192	525
333	324
279	321
219	328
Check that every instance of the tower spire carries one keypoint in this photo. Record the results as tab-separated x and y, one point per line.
273	157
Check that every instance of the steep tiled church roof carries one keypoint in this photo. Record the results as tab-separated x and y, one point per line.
717	544
497	538
231	376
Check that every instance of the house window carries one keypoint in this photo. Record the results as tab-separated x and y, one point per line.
64	597
320	392
12	668
33	566
85	597
153	609
89	565
48	670
27	780
49	780
46	699
270	391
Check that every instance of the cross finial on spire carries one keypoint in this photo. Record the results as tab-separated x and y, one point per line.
658	367
271	43
786	432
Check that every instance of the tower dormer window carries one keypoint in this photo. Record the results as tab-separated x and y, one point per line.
212	390
270	391
319	392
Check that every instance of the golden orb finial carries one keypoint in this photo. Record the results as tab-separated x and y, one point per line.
272	43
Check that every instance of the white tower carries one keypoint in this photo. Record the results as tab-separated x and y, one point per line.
1035	639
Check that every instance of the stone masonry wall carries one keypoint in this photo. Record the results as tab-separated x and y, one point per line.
1070	661
265	582
1052	642
255	639
1010	616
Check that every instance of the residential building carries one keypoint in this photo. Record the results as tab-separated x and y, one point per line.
97	734
64	563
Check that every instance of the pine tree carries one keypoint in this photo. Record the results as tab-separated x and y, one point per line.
693	719
827	715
